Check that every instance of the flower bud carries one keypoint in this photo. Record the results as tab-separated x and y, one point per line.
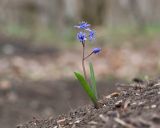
96	50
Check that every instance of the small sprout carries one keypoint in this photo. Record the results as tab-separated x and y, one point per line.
90	89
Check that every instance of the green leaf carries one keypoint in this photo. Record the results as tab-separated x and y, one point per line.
86	87
93	80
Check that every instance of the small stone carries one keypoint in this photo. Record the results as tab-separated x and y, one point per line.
153	106
77	121
104	105
134	103
118	104
70	123
142	103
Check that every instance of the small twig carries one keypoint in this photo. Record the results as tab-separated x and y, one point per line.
126	104
61	122
126	125
105	119
114	94
158	84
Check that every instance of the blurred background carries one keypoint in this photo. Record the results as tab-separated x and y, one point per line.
39	52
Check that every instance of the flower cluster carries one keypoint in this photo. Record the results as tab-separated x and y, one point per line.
82	36
86	33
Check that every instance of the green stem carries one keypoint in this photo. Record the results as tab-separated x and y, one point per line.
83	59
88	56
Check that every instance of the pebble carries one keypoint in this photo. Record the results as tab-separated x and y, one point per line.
118	103
153	106
77	121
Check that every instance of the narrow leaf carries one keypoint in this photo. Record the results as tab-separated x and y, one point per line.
86	87
93	80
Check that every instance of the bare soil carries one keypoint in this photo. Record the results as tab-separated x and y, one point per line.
135	105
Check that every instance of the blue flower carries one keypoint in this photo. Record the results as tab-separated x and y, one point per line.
91	35
88	34
96	50
83	25
81	36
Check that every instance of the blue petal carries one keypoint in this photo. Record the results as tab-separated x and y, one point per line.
91	35
82	25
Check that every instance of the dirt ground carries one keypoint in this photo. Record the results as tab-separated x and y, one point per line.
135	105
